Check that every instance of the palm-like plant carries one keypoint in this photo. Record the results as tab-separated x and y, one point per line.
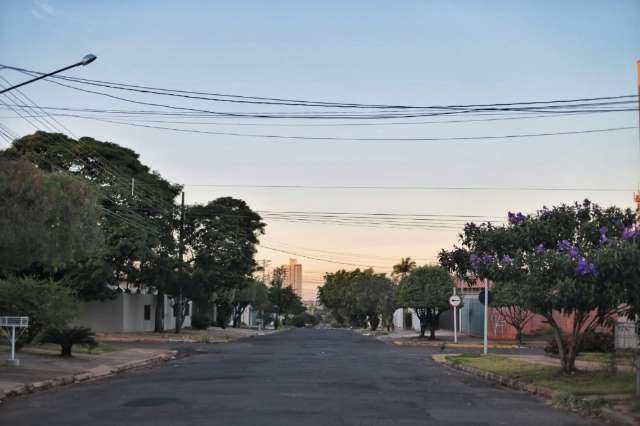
404	267
66	337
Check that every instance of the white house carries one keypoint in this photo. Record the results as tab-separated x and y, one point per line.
128	312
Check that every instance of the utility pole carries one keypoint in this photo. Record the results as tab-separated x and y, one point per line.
637	200
133	185
180	301
485	343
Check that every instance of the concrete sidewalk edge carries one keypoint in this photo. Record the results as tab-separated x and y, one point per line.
96	373
608	414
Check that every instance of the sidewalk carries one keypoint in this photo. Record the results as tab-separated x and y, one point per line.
445	337
211	335
40	370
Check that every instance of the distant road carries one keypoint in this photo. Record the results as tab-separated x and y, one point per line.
298	377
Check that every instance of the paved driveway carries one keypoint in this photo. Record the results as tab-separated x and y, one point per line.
299	377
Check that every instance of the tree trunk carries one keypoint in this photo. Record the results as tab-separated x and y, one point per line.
159	314
568	364
423	328
432	333
276	321
66	350
519	336
374	321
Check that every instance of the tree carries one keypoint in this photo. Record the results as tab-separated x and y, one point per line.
221	238
426	290
371	294
356	297
550	256
137	225
284	300
506	300
405	266
66	337
46	303
49	221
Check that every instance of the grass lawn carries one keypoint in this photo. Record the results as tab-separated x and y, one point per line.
623	358
580	383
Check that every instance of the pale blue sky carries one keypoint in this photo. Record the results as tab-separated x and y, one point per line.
400	52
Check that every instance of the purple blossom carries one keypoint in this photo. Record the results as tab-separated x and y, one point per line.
487	258
540	248
573	252
515	218
564	245
474	260
506	259
628	233
585	268
603	235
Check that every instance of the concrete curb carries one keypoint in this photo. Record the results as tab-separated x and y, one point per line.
438	344
607	414
96	373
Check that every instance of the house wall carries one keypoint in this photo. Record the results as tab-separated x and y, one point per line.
125	313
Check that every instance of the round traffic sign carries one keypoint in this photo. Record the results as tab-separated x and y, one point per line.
455	301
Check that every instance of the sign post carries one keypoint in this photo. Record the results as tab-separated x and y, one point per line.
455	301
9	324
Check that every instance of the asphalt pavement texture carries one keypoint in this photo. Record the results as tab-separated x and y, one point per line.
297	377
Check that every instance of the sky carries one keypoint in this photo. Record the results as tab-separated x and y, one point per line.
404	52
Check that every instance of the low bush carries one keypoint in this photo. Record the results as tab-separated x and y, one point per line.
301	320
591	342
66	337
200	322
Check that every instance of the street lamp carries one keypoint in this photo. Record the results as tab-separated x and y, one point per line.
86	60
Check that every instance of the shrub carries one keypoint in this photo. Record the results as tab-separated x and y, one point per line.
200	322
66	337
47	304
303	319
591	342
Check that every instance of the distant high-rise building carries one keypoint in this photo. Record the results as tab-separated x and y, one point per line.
293	276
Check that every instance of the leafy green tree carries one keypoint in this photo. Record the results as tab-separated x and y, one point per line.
137	226
551	257
46	303
355	297
49	221
426	290
221	238
371	293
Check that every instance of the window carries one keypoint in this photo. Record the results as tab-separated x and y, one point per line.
147	312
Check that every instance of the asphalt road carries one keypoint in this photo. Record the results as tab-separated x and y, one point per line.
299	377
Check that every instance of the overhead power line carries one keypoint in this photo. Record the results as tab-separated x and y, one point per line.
220	97
345	139
408	187
321	259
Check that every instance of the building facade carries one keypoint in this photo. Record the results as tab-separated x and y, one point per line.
293	276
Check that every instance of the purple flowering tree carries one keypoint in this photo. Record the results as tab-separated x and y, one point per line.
547	263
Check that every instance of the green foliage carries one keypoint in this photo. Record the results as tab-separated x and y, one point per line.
355	297
46	303
66	337
200	321
303	319
48	221
556	260
426	290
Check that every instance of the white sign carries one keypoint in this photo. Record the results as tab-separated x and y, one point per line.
455	301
